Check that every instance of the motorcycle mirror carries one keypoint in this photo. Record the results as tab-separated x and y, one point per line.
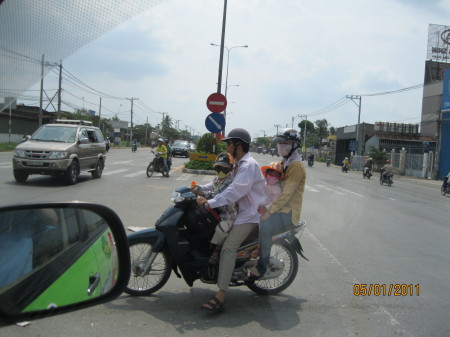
59	257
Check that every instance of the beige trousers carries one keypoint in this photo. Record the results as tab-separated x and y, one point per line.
230	246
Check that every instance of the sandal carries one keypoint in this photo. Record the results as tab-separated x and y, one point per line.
213	305
214	258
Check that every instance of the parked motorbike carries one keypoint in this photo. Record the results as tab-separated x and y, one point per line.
386	179
157	165
445	188
180	242
345	168
367	173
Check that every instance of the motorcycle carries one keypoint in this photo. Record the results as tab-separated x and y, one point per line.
367	173
107	147
157	165
133	147
310	162
445	188
328	162
345	168
386	179
180	242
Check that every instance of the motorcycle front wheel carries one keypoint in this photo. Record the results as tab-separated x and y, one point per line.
150	169
157	276
284	252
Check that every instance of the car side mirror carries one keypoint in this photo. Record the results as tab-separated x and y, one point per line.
60	257
83	140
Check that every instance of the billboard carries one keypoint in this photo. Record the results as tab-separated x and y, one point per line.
438	43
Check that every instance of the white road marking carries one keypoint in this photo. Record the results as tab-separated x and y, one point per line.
108	173
310	189
121	162
330	189
135	174
348	191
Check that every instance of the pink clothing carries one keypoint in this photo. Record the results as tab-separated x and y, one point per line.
272	192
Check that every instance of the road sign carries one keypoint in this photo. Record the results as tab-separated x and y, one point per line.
215	122
216	102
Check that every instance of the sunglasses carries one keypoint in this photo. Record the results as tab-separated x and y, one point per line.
222	169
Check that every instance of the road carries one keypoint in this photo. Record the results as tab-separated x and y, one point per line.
358	232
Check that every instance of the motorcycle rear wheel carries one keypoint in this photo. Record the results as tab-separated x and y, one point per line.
281	251
157	276
150	169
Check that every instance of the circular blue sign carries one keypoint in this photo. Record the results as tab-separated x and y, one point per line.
215	122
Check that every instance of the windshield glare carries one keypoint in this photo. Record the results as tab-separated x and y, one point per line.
56	134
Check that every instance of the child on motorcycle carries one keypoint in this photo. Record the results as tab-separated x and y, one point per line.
223	166
273	174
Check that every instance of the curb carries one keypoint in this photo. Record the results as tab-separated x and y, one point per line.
206	172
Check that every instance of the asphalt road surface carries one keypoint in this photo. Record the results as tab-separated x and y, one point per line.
379	259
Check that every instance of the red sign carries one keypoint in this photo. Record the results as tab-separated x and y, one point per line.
216	102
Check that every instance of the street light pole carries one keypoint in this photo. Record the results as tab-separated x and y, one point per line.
226	75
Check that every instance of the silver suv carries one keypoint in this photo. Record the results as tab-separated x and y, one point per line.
65	148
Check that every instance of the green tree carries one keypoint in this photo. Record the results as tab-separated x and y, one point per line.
379	157
206	142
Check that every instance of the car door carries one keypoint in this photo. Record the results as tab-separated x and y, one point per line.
84	146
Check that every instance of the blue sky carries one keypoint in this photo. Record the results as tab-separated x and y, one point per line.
302	56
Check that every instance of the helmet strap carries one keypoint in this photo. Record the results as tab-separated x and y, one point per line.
292	150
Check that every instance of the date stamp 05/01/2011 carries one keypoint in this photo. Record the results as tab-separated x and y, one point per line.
380	289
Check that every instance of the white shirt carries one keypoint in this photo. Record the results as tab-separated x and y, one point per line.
247	189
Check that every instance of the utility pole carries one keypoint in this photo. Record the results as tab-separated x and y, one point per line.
304	132
100	113
132	101
277	126
59	89
353	97
42	91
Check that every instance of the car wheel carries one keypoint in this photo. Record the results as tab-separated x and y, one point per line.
20	176
71	175
97	173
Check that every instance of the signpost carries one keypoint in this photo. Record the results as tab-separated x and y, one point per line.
216	102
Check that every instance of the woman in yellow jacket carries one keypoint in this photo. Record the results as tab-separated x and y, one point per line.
286	209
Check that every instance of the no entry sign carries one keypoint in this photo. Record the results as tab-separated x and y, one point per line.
216	102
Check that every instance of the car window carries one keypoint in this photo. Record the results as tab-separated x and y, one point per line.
55	134
99	136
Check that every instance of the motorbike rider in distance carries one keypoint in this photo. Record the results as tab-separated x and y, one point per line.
345	164
387	169
367	170
162	149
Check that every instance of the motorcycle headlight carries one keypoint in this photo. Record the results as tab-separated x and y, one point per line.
57	155
19	153
176	197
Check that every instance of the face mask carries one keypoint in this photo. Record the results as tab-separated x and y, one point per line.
272	180
284	149
222	175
